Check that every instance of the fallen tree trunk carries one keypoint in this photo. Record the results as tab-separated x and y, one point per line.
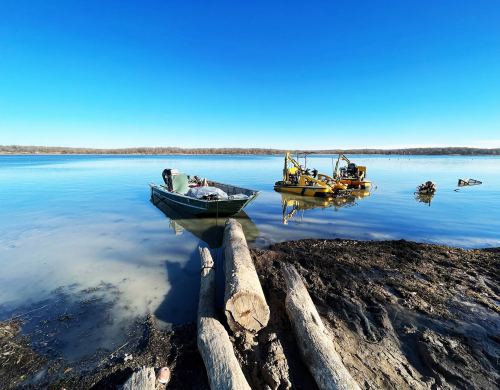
144	379
223	369
244	302
315	343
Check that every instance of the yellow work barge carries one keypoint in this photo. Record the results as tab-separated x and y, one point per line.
300	181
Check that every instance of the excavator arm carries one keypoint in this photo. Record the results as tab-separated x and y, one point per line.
337	165
289	160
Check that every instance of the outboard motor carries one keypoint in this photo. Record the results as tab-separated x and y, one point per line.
167	177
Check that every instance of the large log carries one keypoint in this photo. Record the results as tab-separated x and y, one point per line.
223	369
244	302
144	379
315	342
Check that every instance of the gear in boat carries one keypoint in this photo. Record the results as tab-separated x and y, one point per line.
352	175
302	181
200	196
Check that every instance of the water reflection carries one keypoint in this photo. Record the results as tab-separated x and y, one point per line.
180	303
208	229
291	205
424	198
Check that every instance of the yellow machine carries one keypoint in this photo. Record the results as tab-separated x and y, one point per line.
352	175
300	181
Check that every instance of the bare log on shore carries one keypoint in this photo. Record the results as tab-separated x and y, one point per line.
244	302
144	379
315	342
275	369
223	369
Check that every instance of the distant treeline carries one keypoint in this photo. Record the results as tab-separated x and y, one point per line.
17	149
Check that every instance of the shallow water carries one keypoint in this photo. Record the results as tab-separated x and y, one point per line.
79	235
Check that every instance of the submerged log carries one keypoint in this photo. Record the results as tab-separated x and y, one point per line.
144	379
244	302
223	369
315	343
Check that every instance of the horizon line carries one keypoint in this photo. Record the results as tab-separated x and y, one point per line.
156	150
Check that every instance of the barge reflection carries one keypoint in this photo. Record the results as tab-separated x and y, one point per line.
291	205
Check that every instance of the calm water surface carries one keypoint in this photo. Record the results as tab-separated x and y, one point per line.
78	234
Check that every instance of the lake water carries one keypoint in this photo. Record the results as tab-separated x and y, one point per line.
83	251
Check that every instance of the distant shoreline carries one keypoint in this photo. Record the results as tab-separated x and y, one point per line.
59	150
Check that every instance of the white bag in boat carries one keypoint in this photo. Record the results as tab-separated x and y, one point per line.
238	196
206	192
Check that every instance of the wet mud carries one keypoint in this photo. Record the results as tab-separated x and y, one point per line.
402	314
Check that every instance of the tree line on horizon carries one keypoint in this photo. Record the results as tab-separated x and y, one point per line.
18	149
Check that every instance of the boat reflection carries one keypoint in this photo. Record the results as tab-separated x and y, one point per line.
208	229
424	198
291	204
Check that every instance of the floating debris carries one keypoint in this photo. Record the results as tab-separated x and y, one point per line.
468	182
427	188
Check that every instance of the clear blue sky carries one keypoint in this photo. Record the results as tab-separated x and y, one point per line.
250	74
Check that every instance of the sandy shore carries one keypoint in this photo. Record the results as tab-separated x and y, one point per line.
403	315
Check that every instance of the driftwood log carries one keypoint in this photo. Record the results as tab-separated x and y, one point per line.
244	302
275	369
315	342
144	379
223	369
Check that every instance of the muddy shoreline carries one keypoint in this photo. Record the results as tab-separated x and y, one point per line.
403	314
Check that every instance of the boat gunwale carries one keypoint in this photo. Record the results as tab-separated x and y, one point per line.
161	188
171	199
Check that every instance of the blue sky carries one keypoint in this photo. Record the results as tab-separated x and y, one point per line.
250	74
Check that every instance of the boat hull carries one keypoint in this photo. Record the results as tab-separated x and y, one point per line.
199	207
